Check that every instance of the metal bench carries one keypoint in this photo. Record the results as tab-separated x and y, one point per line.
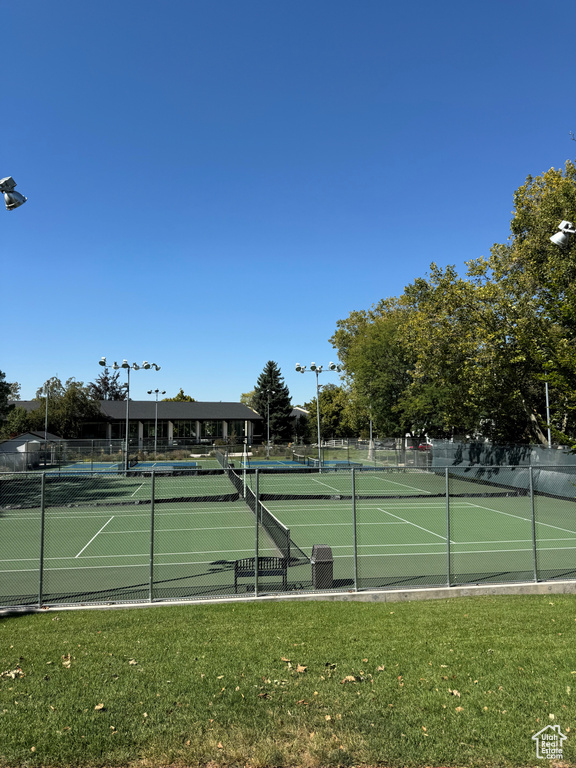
267	566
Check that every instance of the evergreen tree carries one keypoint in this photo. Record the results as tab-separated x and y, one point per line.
270	391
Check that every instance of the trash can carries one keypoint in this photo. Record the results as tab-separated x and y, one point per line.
322	567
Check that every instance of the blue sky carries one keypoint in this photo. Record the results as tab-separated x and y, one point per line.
212	184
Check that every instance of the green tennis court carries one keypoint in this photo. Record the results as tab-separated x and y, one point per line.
167	535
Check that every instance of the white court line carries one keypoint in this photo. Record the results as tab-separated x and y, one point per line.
137	489
524	519
338	490
93	537
426	530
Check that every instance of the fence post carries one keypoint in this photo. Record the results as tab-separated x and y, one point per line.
41	564
354	539
533	510
256	511
448	554
152	497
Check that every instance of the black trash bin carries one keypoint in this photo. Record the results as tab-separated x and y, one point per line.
322	562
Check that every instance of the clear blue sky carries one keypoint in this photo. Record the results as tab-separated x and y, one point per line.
212	184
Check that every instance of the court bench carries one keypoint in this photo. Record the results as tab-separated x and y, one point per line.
267	566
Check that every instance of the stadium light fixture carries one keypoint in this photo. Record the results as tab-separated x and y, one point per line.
134	367
156	392
12	198
317	369
562	238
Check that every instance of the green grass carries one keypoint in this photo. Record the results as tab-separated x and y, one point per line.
452	683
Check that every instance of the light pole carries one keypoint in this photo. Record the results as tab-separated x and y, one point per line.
134	367
11	198
268	393
317	369
156	392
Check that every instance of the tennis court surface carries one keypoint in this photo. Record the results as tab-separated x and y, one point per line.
172	532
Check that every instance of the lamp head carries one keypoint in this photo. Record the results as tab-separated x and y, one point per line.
135	367
149	391
102	361
562	238
300	368
13	199
156	367
313	366
335	367
145	365
125	364
116	367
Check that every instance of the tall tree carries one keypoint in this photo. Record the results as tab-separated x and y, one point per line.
271	392
334	413
107	387
69	408
4	395
14	390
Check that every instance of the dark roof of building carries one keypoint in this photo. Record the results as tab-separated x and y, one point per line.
146	409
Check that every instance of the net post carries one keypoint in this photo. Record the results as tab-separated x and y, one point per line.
533	516
257	502
42	524
152	496
354	527
448	553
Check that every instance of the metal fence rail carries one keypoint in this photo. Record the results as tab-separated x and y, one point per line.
170	533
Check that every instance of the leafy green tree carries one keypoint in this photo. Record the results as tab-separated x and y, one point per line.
472	354
17	422
247	398
334	409
271	392
4	396
14	391
107	387
180	398
69	408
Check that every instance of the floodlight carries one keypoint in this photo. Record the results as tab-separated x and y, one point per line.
156	367
334	367
13	199
102	361
125	364
135	367
145	365
299	368
562	238
312	366
116	366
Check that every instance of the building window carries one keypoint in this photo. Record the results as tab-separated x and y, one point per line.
149	429
184	429
210	429
236	429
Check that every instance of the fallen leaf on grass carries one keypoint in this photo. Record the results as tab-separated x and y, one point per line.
348	679
454	692
132	662
99	707
13	673
301	668
459	709
220	745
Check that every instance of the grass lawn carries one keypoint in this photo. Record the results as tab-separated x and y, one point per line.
461	682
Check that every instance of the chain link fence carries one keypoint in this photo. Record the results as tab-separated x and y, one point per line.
174	532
